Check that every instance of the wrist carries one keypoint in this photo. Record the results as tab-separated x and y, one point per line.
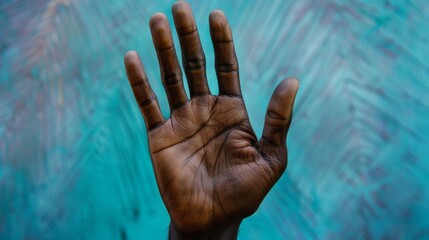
225	233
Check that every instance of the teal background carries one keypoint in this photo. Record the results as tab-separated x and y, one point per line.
74	162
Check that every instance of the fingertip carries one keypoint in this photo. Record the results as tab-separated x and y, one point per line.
291	83
279	111
180	2
183	18
217	20
130	55
132	62
283	98
219	27
293	80
217	14
288	87
134	68
157	18
161	33
180	5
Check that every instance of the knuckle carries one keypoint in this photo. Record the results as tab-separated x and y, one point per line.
173	78
226	66
194	63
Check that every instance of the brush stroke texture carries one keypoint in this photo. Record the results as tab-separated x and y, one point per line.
73	149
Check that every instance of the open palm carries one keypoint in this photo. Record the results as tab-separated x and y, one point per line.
210	168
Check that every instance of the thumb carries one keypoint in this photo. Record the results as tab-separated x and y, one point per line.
279	113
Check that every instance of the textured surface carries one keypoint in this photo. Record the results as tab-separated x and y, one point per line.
73	149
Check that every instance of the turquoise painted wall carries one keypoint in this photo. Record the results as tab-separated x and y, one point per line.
73	149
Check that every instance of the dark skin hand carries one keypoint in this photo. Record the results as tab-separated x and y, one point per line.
210	168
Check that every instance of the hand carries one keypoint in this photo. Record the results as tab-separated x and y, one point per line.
210	168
